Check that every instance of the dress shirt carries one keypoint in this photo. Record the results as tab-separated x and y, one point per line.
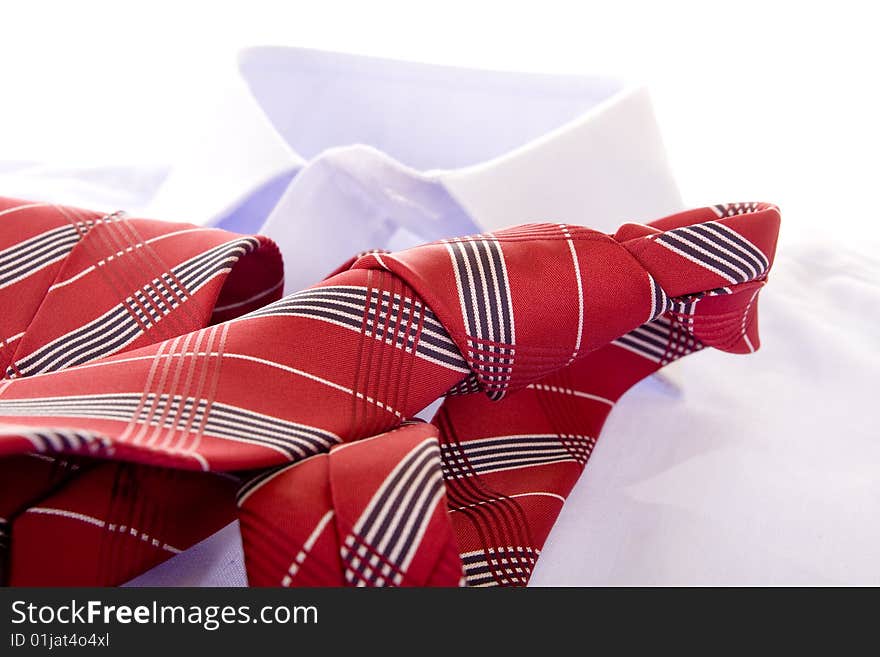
334	154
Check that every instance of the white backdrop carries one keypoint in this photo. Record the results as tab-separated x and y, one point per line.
756	100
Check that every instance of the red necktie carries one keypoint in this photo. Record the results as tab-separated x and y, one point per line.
76	285
552	322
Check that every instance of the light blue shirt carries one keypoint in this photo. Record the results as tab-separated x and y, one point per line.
332	154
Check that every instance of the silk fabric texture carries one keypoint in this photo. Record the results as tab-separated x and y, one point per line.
151	393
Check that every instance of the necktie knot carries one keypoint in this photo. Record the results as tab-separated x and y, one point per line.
527	301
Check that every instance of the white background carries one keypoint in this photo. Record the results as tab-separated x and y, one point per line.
757	100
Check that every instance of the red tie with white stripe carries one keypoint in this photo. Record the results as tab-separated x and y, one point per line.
76	285
533	332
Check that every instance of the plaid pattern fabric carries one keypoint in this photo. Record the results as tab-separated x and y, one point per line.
78	286
532	332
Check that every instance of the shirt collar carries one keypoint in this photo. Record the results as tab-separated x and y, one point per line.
508	147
